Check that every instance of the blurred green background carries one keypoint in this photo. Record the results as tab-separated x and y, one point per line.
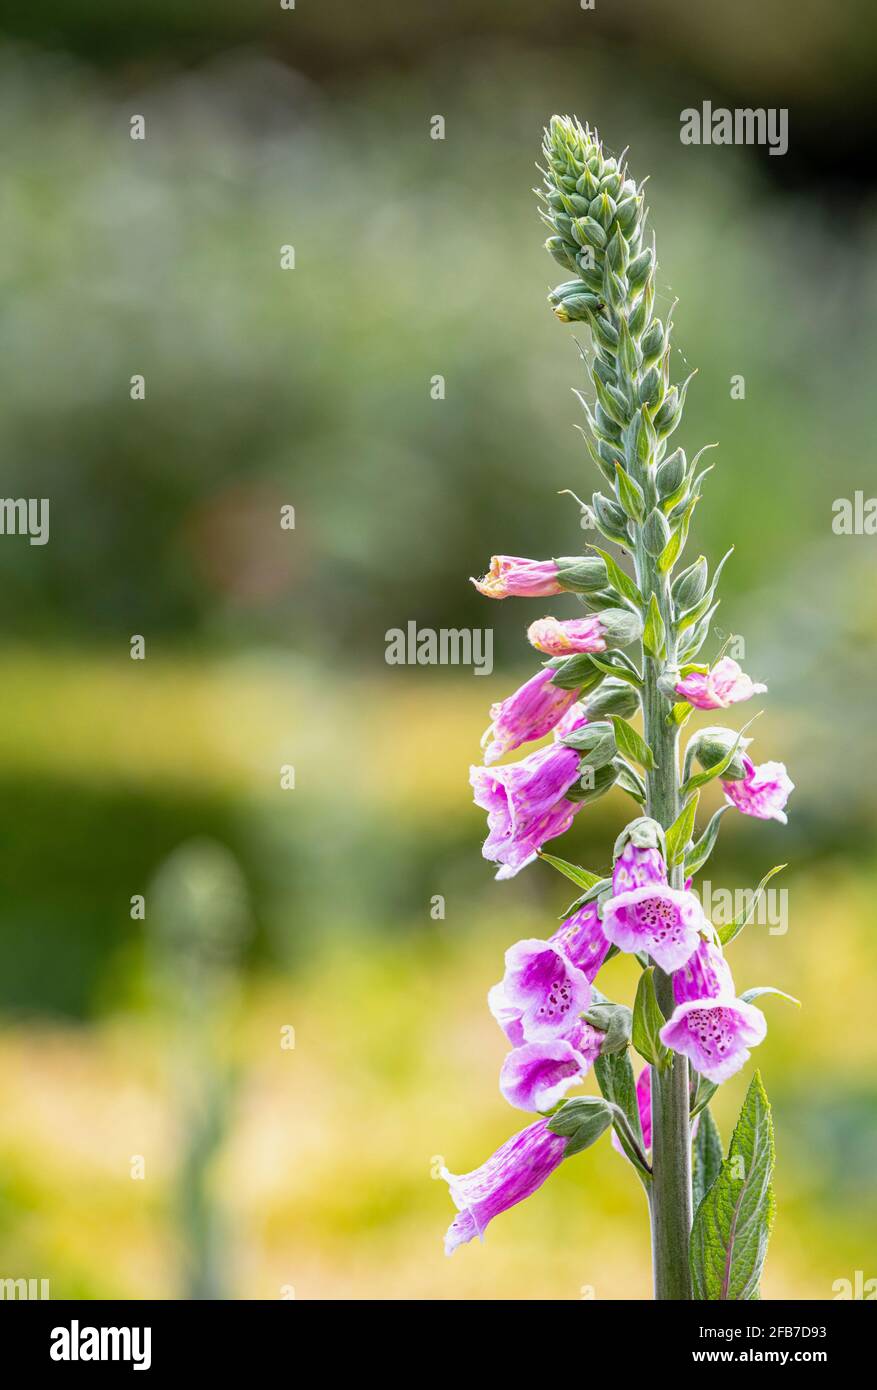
161	1134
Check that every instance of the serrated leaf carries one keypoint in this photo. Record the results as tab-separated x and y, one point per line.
732	1227
702	850
631	744
654	633
581	1122
731	930
618	579
707	1158
681	830
648	1022
583	877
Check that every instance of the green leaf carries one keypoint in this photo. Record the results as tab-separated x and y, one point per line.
610	669
675	544
731	930
631	744
618	579
681	830
583	877
629	780
630	494
733	1222
756	992
680	713
648	1022
706	1158
581	1122
702	850
654	634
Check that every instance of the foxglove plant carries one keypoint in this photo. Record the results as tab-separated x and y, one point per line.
710	1218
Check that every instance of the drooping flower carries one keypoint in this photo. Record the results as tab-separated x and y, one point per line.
518	1168
724	685
762	792
709	1025
525	804
530	713
537	1075
715	1034
582	939
513	576
562	638
545	988
664	922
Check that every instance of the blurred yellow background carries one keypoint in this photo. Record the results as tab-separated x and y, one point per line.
248	1092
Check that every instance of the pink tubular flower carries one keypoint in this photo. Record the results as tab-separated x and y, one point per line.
635	868
530	713
545	988
526	805
662	921
709	1026
715	1034
517	1169
557	638
582	940
512	576
537	1075
763	792
724	685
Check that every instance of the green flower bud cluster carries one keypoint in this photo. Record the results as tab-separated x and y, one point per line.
596	215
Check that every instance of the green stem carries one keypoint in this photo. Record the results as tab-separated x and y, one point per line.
670	1192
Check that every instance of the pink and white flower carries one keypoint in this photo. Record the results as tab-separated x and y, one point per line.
726	684
709	1025
564	638
537	1075
762	792
664	922
513	576
530	713
518	1168
526	805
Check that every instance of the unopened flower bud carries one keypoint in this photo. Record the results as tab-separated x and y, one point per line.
671	474
690	586
621	626
581	574
711	746
612	697
655	532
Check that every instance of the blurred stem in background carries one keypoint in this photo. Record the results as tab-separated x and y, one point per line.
197	911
